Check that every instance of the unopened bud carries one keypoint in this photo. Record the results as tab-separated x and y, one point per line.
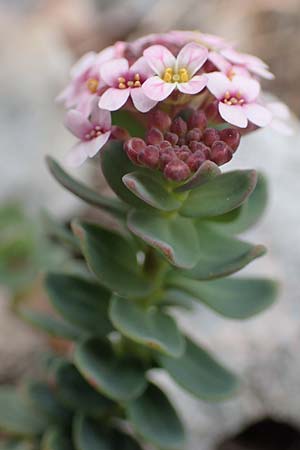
196	146
159	119
119	133
195	160
166	156
154	136
197	120
210	136
231	136
183	152
194	135
177	170
171	137
164	145
221	153
149	156
133	147
179	127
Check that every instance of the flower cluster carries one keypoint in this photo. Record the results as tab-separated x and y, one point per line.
172	73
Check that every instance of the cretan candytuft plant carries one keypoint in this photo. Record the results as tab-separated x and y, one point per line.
166	111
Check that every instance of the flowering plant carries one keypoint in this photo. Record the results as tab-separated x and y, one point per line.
164	112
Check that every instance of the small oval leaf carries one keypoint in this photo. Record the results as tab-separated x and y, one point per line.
113	259
90	435
200	374
119	378
220	195
152	328
174	237
220	254
154	418
151	188
81	302
236	298
77	394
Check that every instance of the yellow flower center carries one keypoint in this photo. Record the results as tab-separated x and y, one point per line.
233	99
92	85
133	83
172	76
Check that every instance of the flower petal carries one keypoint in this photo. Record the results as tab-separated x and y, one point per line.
195	85
93	146
85	103
77	155
111	70
77	123
192	56
279	110
258	114
141	101
159	58
218	84
233	114
219	61
101	117
248	87
83	64
113	98
142	67
157	89
262	72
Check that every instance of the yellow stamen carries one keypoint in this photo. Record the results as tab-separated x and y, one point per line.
130	83
137	83
180	76
121	80
92	85
122	86
137	77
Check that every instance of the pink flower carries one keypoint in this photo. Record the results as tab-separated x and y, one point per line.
93	134
238	100
125	82
249	62
85	81
175	73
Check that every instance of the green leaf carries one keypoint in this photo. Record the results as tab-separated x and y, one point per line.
127	120
56	439
90	435
44	322
221	255
45	399
207	171
236	298
155	419
17	417
91	197
200	374
151	188
81	302
220	195
113	259
13	444
175	237
121	379
151	328
116	164
77	394
244	217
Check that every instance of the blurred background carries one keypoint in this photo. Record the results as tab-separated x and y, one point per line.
39	41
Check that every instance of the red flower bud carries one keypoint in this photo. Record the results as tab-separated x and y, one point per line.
212	111
119	133
231	136
195	146
194	135
179	127
197	120
154	136
149	156
195	160
166	156
159	119
133	147
221	153
171	137
210	136
165	144
177	170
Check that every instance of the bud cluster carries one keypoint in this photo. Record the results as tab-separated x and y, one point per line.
179	147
